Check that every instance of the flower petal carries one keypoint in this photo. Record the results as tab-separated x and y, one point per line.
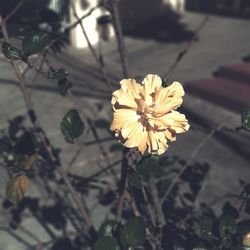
122	117
142	146
163	122
167	99
132	87
135	136
157	143
170	135
180	122
151	84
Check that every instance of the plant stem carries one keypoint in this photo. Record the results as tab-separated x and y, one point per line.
42	136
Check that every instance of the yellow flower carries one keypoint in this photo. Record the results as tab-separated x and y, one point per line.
145	116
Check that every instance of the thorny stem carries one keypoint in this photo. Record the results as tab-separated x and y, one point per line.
42	136
185	50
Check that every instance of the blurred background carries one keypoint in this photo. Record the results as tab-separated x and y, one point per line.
215	73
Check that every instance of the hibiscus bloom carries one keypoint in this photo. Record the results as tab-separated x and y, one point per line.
145	115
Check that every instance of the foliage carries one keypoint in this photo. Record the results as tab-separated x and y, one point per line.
154	204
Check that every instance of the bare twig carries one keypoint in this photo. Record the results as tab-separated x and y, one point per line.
73	25
158	207
98	59
119	37
183	52
13	12
126	151
42	136
192	156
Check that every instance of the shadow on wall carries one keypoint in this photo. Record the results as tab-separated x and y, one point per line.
165	26
231	8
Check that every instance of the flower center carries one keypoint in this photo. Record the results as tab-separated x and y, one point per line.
144	110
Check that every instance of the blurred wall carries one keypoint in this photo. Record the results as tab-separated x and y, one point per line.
134	12
90	23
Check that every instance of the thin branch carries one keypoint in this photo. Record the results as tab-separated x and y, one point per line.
186	49
73	25
192	156
158	207
13	12
119	37
42	136
98	59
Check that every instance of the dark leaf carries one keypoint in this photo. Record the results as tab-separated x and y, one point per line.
230	210
58	74
63	86
25	144
206	226
116	147
246	119
49	16
72	126
106	243
16	29
149	166
135	180
167	160
227	226
133	233
11	52
35	43
107	228
15	126
103	124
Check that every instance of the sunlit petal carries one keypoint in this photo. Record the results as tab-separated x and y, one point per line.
145	116
123	117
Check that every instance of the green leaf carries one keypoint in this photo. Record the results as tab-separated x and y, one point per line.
103	124
15	126
206	225
105	19
148	167
72	126
133	233
134	180
17	29
107	228
246	119
106	243
228	226
11	52
63	86
35	43
59	74
116	147
16	188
